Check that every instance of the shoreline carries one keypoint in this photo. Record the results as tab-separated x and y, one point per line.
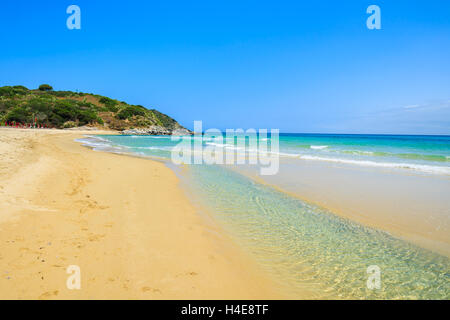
124	220
417	215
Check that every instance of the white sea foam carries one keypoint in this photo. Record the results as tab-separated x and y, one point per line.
226	145
395	165
149	137
359	152
318	147
99	143
97	138
167	148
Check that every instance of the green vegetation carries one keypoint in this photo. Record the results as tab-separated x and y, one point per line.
110	104
129	111
67	109
45	87
12	91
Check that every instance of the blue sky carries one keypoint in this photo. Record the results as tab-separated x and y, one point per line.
292	65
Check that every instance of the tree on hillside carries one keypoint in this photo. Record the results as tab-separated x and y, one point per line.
45	87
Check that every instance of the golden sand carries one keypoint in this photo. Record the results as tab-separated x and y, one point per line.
124	221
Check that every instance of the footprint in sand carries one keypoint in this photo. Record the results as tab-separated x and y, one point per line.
48	295
95	237
147	289
192	273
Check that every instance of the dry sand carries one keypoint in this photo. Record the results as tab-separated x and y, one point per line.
124	221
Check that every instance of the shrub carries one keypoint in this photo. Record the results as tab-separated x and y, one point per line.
110	104
8	91
130	111
62	94
45	87
69	124
86	105
8	105
55	120
100	121
66	109
19	114
38	105
20	90
87	116
162	119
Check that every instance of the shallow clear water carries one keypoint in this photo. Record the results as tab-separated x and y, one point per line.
305	247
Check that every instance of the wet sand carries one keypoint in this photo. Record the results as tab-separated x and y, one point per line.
411	206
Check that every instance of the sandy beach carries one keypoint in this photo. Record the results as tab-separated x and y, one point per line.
124	221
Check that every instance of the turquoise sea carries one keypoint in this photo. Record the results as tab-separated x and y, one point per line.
305	247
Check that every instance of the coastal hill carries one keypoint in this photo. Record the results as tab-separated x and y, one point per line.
67	109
